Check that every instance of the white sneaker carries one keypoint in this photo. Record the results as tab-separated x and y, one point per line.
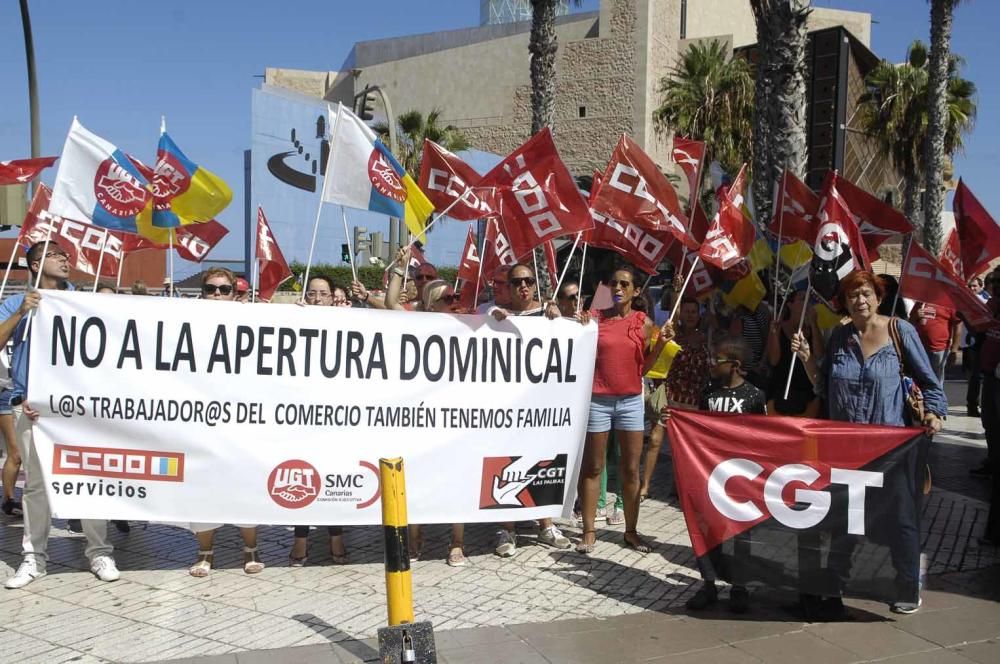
506	543
104	568
552	536
26	573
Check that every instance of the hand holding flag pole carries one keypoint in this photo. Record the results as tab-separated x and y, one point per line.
802	318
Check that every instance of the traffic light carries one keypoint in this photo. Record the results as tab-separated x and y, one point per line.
345	253
366	106
361	241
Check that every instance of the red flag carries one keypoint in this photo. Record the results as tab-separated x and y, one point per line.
731	235
636	190
689	155
538	198
445	178
951	254
646	249
550	261
725	490
194	241
19	171
795	210
978	232
702	282
468	269
877	221
838	249
83	242
497	252
926	280
273	269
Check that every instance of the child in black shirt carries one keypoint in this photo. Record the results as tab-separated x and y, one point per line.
729	392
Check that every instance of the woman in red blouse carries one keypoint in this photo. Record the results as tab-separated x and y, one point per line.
624	335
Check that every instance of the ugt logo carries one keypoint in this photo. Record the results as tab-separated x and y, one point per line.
293	484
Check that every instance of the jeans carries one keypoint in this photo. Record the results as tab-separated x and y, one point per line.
938	358
37	515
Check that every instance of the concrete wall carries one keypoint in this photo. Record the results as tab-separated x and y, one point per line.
706	18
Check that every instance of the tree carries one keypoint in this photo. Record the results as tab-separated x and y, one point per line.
542	47
412	129
779	136
937	93
894	110
709	97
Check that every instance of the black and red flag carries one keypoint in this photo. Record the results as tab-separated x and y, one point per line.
838	248
819	506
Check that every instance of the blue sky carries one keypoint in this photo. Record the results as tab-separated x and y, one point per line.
119	67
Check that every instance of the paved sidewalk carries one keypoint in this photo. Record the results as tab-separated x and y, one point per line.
542	605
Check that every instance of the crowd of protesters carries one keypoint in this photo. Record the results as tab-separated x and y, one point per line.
747	361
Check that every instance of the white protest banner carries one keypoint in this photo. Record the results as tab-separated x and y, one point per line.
193	410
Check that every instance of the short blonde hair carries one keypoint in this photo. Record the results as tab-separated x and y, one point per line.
218	272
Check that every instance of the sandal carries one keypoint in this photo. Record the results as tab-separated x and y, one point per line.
203	567
639	545
582	547
456	557
13	507
338	558
251	563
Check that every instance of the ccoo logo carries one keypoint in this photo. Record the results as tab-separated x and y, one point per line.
293	484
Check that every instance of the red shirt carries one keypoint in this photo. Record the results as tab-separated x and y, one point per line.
934	324
621	344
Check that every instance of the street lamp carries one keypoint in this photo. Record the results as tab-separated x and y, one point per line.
29	52
364	104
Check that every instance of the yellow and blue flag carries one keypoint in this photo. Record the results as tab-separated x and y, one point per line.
184	192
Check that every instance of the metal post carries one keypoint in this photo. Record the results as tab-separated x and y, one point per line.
29	53
398	583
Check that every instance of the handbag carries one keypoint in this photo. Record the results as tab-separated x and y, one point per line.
911	392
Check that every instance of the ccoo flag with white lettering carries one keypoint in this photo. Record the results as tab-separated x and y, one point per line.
818	506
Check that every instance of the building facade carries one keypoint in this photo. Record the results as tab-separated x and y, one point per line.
609	67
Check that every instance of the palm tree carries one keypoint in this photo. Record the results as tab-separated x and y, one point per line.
894	110
937	92
709	97
779	136
412	128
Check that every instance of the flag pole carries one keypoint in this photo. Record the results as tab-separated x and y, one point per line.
781	222
680	296
802	318
538	285
579	291
350	249
6	273
319	212
170	260
899	286
121	268
566	266
100	260
479	277
38	277
423	233
255	281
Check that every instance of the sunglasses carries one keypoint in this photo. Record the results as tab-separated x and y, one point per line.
209	289
57	254
449	298
517	282
622	284
569	296
425	277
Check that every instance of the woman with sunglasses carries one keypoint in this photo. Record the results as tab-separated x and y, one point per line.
320	291
523	302
625	352
219	284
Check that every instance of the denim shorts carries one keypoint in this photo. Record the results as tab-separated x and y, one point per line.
624	413
5	402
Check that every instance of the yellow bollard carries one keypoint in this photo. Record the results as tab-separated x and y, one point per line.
398	582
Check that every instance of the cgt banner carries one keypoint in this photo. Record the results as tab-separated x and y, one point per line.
193	410
819	506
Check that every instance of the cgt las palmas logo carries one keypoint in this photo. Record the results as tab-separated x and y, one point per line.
295	484
514	482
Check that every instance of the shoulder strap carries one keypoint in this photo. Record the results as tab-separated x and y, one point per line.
897	342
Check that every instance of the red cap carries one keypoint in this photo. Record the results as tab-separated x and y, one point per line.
241	285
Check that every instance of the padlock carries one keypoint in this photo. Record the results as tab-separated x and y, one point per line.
409	655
